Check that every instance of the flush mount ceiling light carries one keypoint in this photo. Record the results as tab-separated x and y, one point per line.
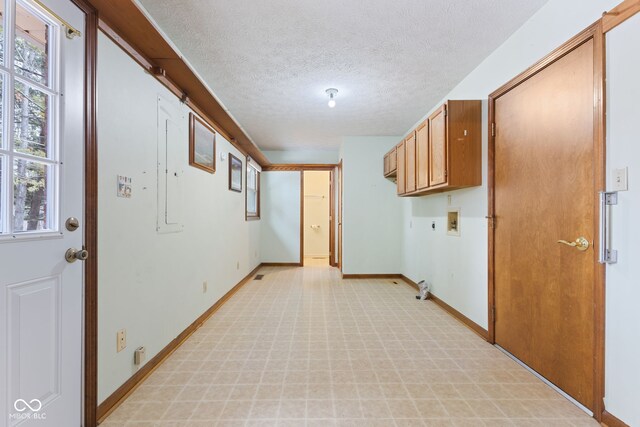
332	95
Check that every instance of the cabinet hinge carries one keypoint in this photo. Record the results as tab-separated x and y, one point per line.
445	112
446	173
493	129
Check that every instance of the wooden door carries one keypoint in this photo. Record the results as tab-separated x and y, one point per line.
410	159
400	158
546	174
422	155
339	213
438	147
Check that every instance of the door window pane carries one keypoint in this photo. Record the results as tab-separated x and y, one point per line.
3	226
2	18
30	191
31	46
30	121
2	143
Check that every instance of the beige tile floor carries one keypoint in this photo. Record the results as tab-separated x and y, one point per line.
302	347
316	261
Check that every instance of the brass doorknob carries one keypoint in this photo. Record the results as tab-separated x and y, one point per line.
72	255
581	243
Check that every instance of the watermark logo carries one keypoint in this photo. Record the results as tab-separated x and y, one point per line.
27	410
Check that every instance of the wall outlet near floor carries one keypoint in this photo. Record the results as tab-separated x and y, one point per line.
121	340
139	355
204	287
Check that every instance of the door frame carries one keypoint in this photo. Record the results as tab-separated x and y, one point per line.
90	315
332	232
302	167
594	32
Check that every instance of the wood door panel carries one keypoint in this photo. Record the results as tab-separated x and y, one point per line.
438	147
392	160
401	175
410	159
422	155
544	191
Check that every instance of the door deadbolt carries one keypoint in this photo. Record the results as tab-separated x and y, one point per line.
72	223
72	255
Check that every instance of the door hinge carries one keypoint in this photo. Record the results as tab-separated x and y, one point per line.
493	129
492	220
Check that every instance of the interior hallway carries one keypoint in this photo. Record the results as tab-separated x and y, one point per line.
303	347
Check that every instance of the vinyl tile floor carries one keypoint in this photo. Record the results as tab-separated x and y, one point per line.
302	347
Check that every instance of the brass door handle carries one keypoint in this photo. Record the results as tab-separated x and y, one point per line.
580	244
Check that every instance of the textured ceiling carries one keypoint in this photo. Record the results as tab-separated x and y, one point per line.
270	61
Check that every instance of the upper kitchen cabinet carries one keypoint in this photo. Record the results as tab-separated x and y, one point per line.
460	139
390	163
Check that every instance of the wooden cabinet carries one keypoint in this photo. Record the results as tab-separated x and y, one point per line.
443	153
390	163
438	147
401	169
410	162
422	155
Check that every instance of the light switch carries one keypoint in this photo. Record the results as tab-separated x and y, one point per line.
620	181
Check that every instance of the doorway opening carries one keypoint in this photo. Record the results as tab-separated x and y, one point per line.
317	204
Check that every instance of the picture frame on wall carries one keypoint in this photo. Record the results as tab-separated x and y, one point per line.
202	144
235	173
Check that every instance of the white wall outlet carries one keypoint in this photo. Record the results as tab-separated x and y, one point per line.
410	224
139	355
204	287
121	340
449	199
238	265
620	180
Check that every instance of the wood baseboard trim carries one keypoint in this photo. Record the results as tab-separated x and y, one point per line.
281	264
609	420
372	276
112	402
452	311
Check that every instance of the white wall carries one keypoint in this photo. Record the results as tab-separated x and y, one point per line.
457	266
150	283
623	289
370	227
316	212
280	216
303	156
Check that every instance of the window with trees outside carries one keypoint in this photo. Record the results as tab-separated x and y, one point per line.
29	153
253	192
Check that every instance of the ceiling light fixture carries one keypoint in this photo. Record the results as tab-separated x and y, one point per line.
332	95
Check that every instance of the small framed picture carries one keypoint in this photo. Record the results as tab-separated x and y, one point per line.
202	144
235	173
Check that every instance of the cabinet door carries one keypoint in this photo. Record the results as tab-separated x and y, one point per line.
393	165
386	165
410	156
438	147
401	168
422	155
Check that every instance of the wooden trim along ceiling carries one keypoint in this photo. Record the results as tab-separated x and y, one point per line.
619	14
128	26
595	33
292	167
118	397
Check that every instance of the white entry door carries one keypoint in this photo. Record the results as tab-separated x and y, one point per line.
41	186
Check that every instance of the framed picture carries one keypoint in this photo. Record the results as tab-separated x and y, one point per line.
235	173
202	144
